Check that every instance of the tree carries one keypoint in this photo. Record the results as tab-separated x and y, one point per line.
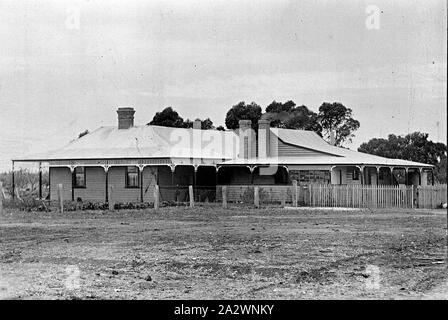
207	124
243	111
413	147
221	128
338	120
168	118
287	115
440	170
277	107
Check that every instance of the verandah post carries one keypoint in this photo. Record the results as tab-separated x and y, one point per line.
40	181
72	170
106	171
141	185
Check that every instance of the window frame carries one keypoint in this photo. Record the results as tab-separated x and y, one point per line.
126	183
75	181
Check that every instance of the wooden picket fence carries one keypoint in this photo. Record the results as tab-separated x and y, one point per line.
368	196
327	195
431	196
359	196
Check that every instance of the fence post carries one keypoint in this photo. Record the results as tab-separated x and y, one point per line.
60	198
256	197
294	193
156	196
284	199
110	197
1	198
190	191
224	197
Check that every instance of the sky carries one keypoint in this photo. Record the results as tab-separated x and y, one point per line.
65	66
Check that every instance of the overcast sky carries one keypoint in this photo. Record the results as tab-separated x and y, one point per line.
202	57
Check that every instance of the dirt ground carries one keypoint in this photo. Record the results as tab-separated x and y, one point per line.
212	253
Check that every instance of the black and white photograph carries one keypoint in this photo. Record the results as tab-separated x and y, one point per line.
250	151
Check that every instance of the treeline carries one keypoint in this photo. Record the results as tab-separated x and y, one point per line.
333	121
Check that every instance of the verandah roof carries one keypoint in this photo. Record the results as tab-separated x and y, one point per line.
355	160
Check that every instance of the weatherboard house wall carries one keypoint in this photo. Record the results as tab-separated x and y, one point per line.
174	158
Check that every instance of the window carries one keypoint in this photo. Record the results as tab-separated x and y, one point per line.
355	174
80	177
132	177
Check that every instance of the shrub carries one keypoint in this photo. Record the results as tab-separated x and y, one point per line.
133	205
248	195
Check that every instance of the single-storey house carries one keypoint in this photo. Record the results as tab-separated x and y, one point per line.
133	159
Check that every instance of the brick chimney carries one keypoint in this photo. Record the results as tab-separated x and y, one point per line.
247	139
197	124
264	138
125	117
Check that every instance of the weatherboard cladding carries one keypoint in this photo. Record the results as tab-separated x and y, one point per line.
62	176
285	150
95	185
95	189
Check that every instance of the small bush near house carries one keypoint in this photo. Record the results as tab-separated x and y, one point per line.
133	205
265	197
248	195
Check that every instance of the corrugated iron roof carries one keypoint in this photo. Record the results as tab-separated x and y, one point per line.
363	159
311	140
165	142
146	142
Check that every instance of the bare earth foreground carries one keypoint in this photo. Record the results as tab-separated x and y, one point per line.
212	253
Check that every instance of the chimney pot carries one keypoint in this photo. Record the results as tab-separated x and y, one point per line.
125	117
